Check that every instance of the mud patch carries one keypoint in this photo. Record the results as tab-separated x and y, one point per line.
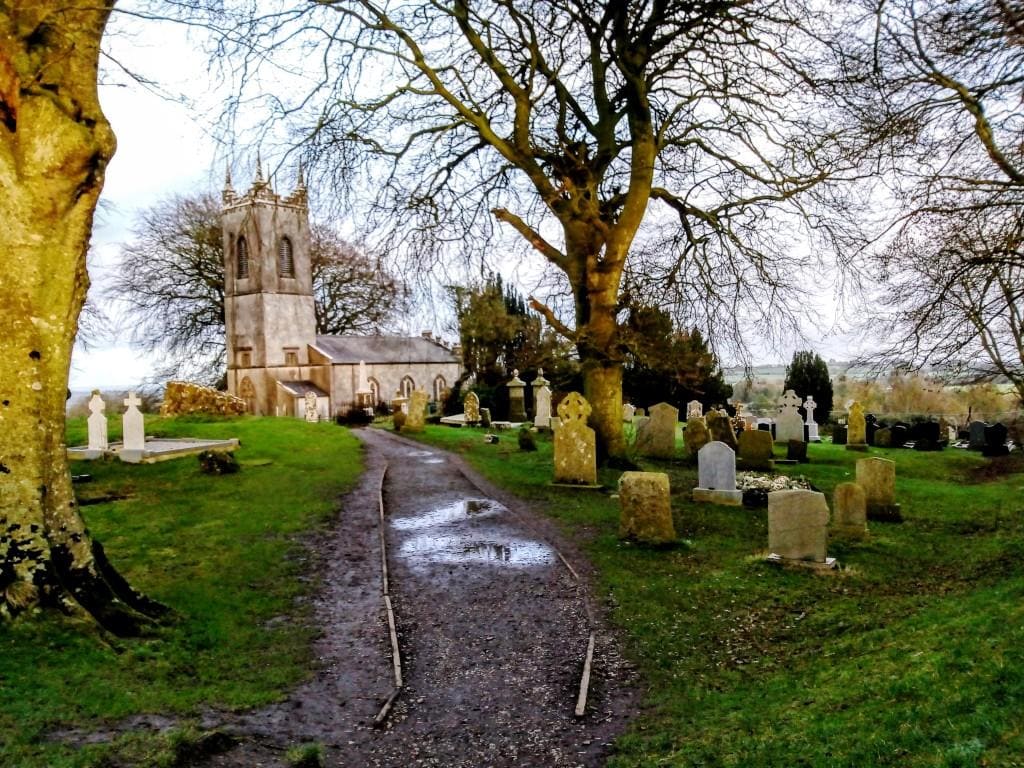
429	548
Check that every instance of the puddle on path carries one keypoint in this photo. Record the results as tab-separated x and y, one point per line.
468	531
469	547
419	454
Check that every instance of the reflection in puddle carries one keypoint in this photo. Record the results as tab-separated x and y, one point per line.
469	548
459	511
419	453
433	461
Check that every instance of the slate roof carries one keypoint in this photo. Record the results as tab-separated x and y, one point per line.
383	349
300	388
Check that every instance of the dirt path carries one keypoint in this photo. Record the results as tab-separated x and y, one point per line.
493	630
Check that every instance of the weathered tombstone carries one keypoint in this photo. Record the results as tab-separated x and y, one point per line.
716	472
628	412
849	510
788	424
516	399
646	512
796	450
951	436
575	452
995	441
883	437
811	434
657	436
400	403
542	407
485	417
878	479
977	438
927	436
839	434
694	409
856	435
640	412
133	431
98	441
416	419
798	525
471	408
312	415
720	428
756	449
696	436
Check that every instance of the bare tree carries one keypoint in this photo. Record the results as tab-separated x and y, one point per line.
946	96
55	144
561	121
171	281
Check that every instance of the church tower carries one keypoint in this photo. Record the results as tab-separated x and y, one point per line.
268	289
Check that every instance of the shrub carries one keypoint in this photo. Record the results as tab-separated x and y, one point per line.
526	441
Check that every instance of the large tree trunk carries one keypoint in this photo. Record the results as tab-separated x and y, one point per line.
54	147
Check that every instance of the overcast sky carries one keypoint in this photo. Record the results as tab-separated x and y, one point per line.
164	146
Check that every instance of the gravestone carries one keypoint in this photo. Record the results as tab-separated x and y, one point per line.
976	441
788	423
849	510
694	409
400	403
796	450
133	431
471	408
720	428
798	525
716	472
871	426
639	412
883	437
542	408
995	441
951	434
900	435
646	512
839	434
575	452
657	436
309	402
811	435
926	436
856	428
756	450
485	418
696	436
516	399
98	441
628	412
416	419
878	479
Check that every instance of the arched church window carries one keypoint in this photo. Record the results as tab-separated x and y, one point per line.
242	256
247	392
440	385
407	386
285	258
374	390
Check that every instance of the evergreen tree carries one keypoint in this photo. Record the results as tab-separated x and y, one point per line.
807	375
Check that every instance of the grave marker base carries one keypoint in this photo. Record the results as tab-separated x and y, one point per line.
725	498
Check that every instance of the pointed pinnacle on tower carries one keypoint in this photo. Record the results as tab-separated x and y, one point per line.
228	194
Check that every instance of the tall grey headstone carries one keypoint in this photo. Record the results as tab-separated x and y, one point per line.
976	439
516	399
542	407
657	437
716	472
133	425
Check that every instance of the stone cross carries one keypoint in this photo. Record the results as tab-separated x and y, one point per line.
812	425
133	425
575	445
311	413
97	423
788	424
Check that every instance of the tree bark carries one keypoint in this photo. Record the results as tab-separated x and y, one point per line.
54	147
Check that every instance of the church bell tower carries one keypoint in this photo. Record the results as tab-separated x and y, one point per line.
268	289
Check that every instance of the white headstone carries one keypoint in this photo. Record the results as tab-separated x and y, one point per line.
97	423
694	408
133	425
788	424
311	413
716	470
542	406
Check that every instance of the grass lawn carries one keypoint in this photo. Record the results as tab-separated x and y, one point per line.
223	552
912	655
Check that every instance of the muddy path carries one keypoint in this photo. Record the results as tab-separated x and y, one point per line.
492	624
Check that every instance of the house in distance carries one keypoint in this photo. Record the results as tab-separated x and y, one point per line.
274	355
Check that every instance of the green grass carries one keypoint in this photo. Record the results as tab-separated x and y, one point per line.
223	551
913	655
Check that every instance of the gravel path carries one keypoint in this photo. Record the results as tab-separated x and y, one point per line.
493	630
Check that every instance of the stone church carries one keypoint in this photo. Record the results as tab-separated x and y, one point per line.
274	355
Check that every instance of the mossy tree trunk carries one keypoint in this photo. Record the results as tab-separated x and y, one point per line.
54	147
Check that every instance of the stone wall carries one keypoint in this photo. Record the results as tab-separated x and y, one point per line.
182	397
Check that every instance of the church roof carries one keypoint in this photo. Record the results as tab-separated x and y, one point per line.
300	388
383	349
